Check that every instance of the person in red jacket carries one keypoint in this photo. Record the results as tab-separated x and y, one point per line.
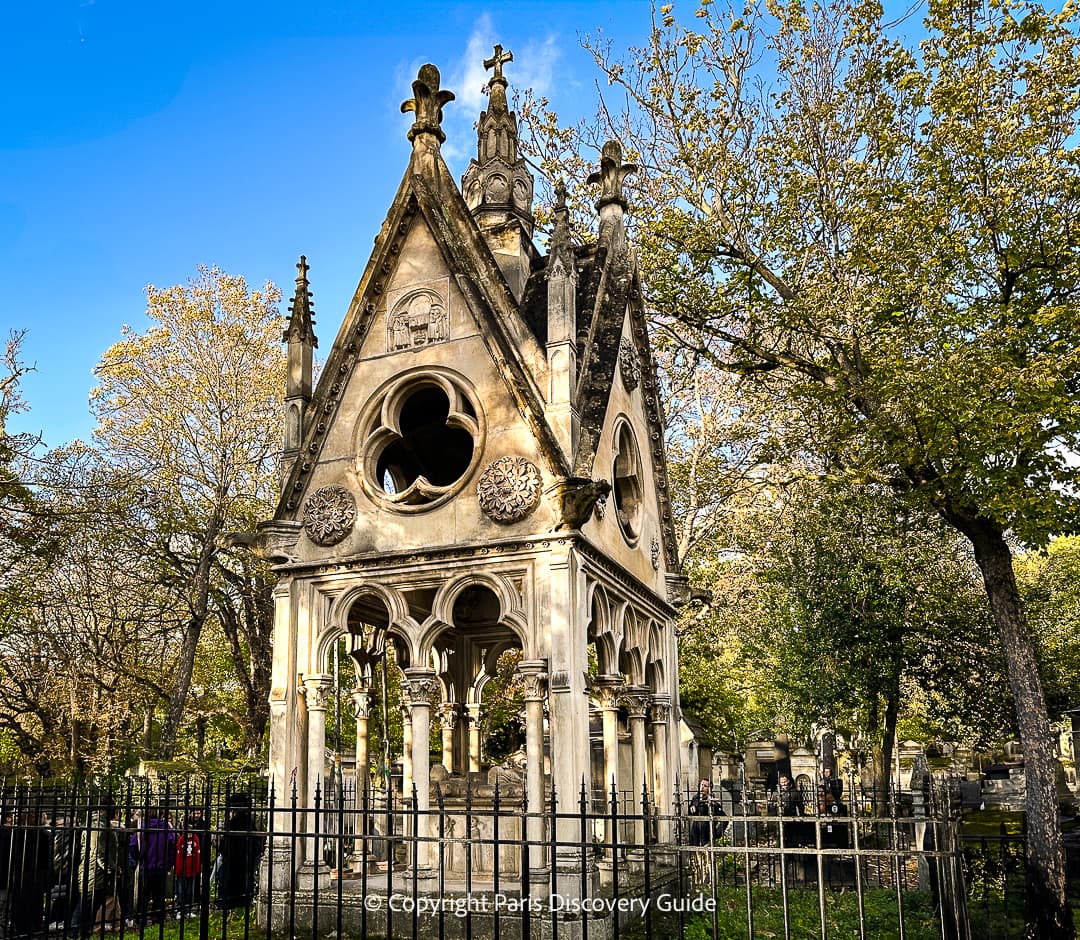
188	866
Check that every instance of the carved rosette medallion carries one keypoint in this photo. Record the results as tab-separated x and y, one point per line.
329	514
629	364
508	489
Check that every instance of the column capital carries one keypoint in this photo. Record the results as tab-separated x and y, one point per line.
361	700
609	688
661	709
533	673
448	711
421	684
316	686
636	699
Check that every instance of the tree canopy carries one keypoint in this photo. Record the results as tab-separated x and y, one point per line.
885	233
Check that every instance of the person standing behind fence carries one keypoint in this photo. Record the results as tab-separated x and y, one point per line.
94	867
153	846
833	785
705	831
188	866
31	875
239	852
62	895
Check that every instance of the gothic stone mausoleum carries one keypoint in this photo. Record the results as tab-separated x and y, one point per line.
481	469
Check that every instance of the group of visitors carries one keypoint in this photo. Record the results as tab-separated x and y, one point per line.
104	872
790	803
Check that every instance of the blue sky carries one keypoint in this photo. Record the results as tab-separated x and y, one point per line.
141	138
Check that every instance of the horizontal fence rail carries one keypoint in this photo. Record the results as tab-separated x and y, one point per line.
239	860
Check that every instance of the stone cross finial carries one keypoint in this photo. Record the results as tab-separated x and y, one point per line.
560	195
611	175
302	267
427	103
497	61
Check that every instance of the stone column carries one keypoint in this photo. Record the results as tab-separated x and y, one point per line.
422	686
609	687
662	782
316	687
448	714
361	699
406	745
637	703
534	673
473	711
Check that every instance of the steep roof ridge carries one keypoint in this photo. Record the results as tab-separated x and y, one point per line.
654	418
342	359
612	273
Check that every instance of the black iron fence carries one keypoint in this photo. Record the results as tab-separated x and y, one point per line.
195	860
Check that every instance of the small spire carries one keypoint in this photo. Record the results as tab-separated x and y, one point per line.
497	85
301	324
427	103
560	235
611	175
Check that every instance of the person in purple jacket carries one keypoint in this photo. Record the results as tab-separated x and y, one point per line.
153	848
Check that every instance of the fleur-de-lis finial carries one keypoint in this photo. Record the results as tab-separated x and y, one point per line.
497	61
427	103
611	175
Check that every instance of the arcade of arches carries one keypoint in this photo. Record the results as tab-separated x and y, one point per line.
452	649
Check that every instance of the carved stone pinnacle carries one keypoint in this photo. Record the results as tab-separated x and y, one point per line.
611	175
427	104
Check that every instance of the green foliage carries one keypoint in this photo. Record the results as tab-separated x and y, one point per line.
841	912
883	237
1050	584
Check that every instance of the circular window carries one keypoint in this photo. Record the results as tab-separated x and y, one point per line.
626	488
421	439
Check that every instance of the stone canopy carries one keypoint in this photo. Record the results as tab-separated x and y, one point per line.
481	468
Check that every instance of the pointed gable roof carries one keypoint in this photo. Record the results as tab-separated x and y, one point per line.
610	296
428	193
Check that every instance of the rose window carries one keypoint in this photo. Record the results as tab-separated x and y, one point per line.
421	441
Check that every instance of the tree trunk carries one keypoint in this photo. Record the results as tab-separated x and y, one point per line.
185	666
1046	908
883	758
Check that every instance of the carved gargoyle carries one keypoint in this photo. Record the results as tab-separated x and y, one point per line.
573	499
